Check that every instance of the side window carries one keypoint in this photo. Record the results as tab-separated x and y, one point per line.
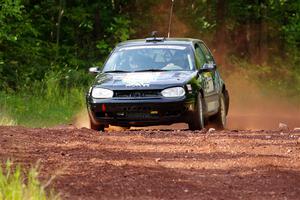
207	53
200	57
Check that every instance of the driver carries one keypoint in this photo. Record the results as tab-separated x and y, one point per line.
137	61
179	60
133	64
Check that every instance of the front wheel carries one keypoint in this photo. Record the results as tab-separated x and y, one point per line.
197	121
96	127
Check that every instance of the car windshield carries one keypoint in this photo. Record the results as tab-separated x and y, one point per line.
151	58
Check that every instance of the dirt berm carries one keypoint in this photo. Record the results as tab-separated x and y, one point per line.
152	164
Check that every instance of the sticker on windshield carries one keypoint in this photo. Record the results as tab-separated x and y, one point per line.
174	47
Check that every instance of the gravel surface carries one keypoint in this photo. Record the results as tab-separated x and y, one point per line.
160	164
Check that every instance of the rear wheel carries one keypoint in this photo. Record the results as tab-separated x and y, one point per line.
197	121
219	119
96	127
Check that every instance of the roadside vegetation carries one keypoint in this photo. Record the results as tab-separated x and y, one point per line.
6	120
54	100
16	185
41	110
47	47
259	38
280	78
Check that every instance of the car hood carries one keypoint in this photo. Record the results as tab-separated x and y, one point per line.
143	80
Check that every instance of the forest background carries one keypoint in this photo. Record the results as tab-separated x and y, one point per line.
46	47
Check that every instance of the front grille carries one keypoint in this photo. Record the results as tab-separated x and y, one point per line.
137	93
139	116
136	108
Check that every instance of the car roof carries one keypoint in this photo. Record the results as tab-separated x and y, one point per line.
159	41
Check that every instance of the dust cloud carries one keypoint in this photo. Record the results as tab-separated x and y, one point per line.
82	119
252	108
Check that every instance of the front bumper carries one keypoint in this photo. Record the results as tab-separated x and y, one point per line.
140	112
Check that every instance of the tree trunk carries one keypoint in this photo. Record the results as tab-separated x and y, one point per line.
220	37
262	42
258	36
98	30
60	14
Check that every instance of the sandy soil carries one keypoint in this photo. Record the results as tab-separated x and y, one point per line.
160	164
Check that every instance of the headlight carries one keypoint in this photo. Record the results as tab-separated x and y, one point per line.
173	92
101	93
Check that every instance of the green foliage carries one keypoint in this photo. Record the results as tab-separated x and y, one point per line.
119	30
276	77
103	47
11	20
55	100
262	35
15	27
270	24
44	60
47	46
14	186
38	37
42	111
6	120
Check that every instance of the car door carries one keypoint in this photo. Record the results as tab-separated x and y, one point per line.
210	60
209	78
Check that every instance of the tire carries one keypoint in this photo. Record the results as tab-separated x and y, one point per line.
219	119
226	96
198	122
96	127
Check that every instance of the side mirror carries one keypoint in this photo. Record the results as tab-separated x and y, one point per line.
208	67
94	70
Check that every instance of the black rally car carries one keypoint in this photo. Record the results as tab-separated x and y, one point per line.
158	81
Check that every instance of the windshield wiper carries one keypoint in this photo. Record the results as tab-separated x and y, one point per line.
151	70
116	71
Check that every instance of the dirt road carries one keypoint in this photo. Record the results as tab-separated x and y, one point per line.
151	164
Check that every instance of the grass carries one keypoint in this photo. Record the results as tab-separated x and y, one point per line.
40	110
15	185
6	120
54	100
59	97
280	78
